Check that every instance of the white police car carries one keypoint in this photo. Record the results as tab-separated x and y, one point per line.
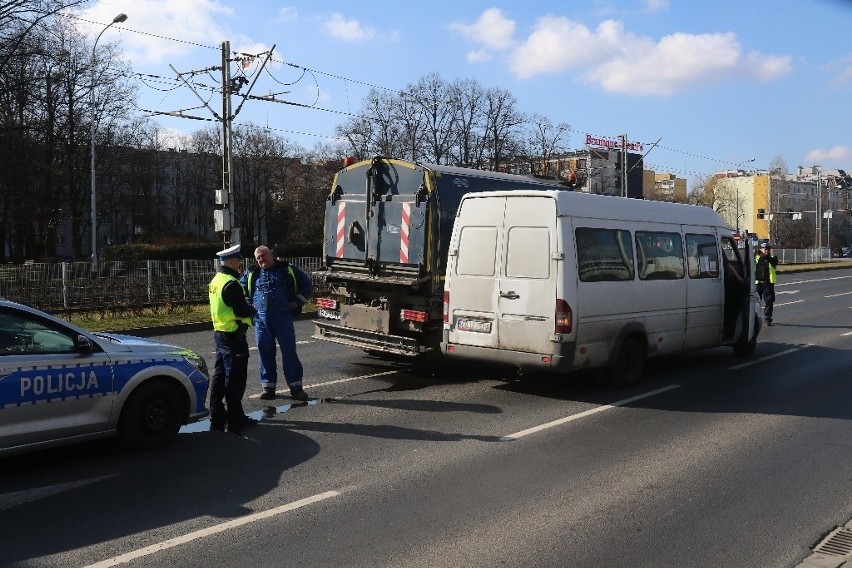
61	384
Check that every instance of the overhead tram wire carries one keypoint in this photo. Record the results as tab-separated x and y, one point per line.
347	80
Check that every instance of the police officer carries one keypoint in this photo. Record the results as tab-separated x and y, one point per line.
231	316
277	290
765	276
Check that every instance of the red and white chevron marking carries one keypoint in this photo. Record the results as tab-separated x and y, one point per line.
403	233
341	228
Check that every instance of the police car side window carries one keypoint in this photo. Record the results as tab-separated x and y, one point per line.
20	333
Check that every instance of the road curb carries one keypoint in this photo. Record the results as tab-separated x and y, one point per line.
191	327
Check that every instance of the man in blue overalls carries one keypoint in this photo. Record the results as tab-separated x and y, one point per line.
277	290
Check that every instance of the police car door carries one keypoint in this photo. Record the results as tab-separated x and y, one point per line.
52	385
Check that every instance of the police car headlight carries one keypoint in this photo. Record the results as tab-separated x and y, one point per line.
196	361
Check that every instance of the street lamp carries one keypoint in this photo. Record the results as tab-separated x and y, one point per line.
117	20
737	186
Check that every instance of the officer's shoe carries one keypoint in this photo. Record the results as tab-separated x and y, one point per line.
768	321
217	426
300	394
238	426
268	394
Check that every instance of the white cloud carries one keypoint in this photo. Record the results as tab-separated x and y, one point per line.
479	56
193	21
840	71
836	155
287	14
492	29
620	61
558	44
339	27
656	5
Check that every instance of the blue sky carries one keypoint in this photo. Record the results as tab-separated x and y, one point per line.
718	83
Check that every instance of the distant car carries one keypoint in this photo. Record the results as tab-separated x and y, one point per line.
61	384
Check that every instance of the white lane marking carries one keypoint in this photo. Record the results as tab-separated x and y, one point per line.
788	303
16	498
845	334
768	357
573	417
814	280
335	382
836	295
177	541
787	292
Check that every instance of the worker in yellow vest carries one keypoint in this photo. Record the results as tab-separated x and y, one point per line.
765	276
231	316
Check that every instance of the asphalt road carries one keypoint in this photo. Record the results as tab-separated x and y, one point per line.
712	461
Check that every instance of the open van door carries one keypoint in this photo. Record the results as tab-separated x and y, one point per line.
741	322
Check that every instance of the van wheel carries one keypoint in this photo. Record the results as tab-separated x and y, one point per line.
745	347
629	364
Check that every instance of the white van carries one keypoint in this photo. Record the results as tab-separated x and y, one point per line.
559	280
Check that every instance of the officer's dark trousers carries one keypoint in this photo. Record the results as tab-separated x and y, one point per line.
766	292
228	383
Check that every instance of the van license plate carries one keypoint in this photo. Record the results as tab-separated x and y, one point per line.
328	314
478	326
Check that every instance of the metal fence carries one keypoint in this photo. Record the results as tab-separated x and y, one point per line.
801	256
68	286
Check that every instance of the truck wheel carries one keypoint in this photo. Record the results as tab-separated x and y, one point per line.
151	418
629	364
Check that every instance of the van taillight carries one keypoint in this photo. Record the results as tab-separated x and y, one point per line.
563	317
326	303
446	306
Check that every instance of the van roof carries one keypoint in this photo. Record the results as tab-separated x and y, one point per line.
614	207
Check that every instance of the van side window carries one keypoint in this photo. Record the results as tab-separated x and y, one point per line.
702	256
660	255
477	253
604	255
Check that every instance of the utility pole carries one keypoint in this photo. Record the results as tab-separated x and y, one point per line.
230	233
224	218
624	165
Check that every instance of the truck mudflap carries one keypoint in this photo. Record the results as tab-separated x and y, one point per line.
368	340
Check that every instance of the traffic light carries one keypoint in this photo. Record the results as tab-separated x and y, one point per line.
789	213
761	213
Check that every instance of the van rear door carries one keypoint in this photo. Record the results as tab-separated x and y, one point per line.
503	284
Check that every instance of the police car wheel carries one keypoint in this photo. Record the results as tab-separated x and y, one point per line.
151	417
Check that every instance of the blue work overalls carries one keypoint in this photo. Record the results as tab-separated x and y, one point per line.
272	294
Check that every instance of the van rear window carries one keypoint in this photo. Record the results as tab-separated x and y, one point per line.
604	255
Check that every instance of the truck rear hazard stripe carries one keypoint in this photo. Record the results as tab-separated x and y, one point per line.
403	233
341	228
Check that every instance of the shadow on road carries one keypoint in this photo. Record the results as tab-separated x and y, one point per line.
219	474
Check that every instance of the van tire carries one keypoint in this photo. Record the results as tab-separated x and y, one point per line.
745	347
626	369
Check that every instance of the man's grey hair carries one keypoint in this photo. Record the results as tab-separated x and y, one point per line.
262	248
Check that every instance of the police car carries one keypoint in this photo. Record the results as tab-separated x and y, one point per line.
61	384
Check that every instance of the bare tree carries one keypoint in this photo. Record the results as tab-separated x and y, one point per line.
543	141
19	19
469	125
502	122
433	115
